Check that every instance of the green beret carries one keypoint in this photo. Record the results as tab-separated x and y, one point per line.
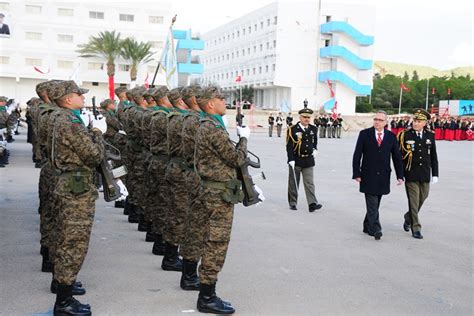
40	87
62	88
174	95
190	91
137	92
422	115
161	92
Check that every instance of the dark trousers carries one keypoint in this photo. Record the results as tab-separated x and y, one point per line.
371	220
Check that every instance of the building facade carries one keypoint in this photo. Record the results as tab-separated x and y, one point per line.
287	52
45	36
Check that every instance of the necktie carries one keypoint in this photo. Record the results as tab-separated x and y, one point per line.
379	139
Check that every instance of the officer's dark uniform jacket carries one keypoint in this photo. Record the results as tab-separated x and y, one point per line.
420	160
300	144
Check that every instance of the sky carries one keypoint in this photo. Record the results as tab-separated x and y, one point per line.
436	33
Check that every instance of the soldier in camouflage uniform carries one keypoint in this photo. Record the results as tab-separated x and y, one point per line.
216	158
157	167
33	104
136	172
178	196
114	134
192	244
40	91
76	152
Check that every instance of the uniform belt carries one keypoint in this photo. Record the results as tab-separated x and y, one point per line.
74	172
304	156
214	184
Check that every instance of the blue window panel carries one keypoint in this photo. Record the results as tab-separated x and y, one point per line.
341	77
344	27
190	44
179	34
189	68
342	52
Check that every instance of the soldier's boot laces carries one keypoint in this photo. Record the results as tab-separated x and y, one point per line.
171	260
66	305
77	288
189	276
158	246
209	302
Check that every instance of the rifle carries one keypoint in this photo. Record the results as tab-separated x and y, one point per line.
106	170
239	117
248	186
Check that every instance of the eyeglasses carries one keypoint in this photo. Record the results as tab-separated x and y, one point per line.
378	120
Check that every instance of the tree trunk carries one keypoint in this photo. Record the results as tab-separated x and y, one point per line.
133	72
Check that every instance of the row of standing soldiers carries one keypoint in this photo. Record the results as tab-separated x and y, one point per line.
9	119
181	165
329	126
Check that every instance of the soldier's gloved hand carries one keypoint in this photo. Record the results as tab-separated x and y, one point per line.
243	131
315	152
99	123
123	188
291	164
261	197
434	180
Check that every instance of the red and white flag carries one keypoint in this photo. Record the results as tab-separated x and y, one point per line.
41	71
238	78
405	88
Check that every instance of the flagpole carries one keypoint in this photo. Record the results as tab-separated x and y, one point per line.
163	52
427	92
400	101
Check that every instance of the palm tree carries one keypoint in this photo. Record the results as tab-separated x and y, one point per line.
107	45
136	53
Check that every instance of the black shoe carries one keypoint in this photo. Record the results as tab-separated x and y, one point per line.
77	288
171	260
150	237
126	208
189	278
293	207
314	206
44	251
119	204
143	226
209	302
133	216
365	230
67	305
46	265
158	246
417	235
406	226
378	235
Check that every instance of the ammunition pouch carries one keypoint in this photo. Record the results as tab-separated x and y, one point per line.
231	191
78	181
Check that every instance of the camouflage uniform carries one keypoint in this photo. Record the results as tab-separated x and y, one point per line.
76	153
158	163
216	159
112	134
178	202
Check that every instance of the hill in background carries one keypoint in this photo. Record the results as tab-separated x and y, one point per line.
398	69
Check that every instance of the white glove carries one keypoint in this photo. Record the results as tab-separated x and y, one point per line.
315	152
86	118
122	132
123	188
292	164
99	123
261	197
434	180
243	131
226	123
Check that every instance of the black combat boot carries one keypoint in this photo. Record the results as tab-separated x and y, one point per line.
77	288
159	245
46	264
209	302
66	305
171	260
10	138
150	236
189	277
143	225
133	216
126	208
119	204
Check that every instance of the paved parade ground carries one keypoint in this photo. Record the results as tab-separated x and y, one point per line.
280	262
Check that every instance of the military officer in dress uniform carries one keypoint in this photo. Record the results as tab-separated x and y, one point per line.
420	161
301	143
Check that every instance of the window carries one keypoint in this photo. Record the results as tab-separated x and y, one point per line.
275	20
268	22
33	62
227	56
260	69
65	64
228	36
232	74
4	60
233	35
238	33
266	68
156	44
261	47
248	51
35	36
273	67
237	54
4	6
232	55
250	29
254	71
126	17
243	52
328	18
274	43
96	15
255	27
33	9
268	45
255	49
95	66
65	38
95	84
248	71
261	25
123	67
243	31
155	19
65	12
